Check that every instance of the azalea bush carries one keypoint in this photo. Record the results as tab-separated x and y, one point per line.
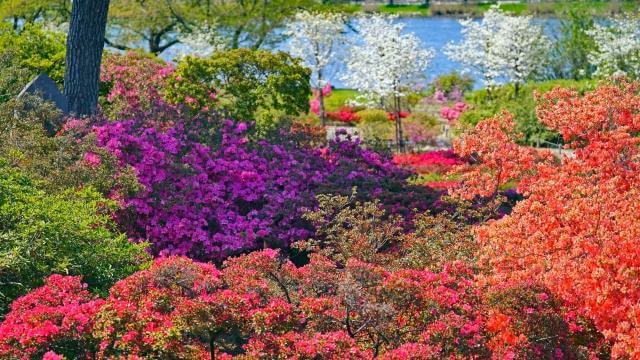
261	306
347	115
431	161
575	230
208	199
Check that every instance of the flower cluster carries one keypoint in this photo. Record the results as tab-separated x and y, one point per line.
452	114
261	306
575	232
345	114
427	162
133	83
208	200
57	316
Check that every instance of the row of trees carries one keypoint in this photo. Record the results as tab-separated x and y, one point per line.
158	25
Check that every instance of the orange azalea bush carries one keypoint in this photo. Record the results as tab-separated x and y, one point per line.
577	231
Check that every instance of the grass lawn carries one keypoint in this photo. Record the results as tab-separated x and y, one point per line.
338	98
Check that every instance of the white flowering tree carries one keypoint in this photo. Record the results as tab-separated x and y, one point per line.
617	48
201	41
475	52
385	64
317	39
502	46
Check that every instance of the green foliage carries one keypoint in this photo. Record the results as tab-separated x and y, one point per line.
66	233
423	118
348	229
451	81
56	162
422	10
374	125
29	11
570	52
245	84
252	23
157	23
28	53
339	98
485	104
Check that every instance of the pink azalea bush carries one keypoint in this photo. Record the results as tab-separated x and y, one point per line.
262	306
427	162
452	114
57	316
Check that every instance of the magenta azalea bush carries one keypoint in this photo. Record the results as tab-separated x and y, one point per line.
210	200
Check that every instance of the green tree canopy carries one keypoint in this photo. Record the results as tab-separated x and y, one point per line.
154	24
243	83
26	54
22	12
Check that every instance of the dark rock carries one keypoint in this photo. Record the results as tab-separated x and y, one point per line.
44	87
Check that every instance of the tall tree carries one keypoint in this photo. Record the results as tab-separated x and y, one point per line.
22	12
251	23
153	24
386	64
85	43
317	38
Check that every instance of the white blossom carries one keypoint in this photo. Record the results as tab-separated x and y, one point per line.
317	39
617	47
386	61
475	52
201	41
501	46
523	48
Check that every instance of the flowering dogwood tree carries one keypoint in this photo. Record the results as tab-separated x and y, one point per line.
202	41
617	48
474	52
521	48
501	46
316	38
385	63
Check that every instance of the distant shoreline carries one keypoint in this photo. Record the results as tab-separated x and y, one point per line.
543	9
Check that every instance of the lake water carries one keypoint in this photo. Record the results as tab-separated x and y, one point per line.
434	32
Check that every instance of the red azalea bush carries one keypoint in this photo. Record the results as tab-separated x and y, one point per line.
55	319
402	114
576	231
345	114
261	306
428	162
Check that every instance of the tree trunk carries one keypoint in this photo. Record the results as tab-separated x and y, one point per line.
85	42
323	115
399	135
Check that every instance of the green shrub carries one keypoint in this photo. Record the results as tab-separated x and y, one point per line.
373	116
453	80
244	84
67	233
375	126
56	162
424	119
28	53
485	104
